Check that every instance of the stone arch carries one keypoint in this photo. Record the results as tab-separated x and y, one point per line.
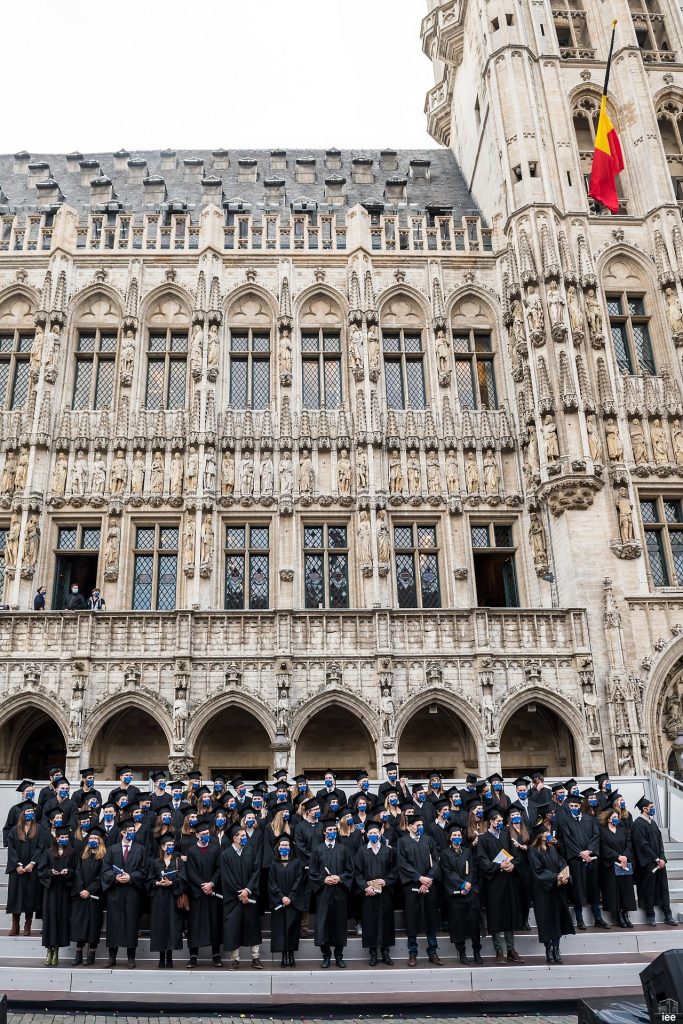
18	304
126	701
489	312
666	667
336	698
33	733
152	305
251	730
316	731
391	312
239	297
210	708
309	307
471	746
564	711
86	302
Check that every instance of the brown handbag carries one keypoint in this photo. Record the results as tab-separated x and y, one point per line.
182	902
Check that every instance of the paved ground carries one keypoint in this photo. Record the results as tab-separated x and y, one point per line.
249	1018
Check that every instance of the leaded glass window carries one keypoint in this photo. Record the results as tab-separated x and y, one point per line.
326	566
155	573
247	566
166	369
15	351
250	369
321	369
662	518
404	369
417	566
94	372
629	327
474	373
493	554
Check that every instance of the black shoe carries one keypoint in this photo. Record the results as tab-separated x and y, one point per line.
78	959
668	919
90	958
327	960
581	924
600	922
162	960
285	960
464	959
549	955
628	923
217	962
557	956
386	959
650	919
620	919
192	962
169	960
340	962
477	956
373	960
292	961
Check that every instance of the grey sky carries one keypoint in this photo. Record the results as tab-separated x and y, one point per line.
184	73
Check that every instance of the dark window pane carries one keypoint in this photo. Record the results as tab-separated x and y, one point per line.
331	342
655	553
391	342
176	384
482	343
464	383
313	581
338	581
412	342
21	382
621	347
636	306
86	342
260	384
672	512
90	540
168	537
66	540
259	537
310	342
105	384
179	343
236	537
144	538
142	583
426	537
503	536
82	384
157	343
260	342
166	586
676	538
461	342
239	343
238	383
429	581
641	338
155	384
336	536
405	581
333	395
25	342
313	537
487	385
234	582
614	305
403	537
311	384
416	384
510	583
258	581
107	343
480	537
394	383
648	511
4	378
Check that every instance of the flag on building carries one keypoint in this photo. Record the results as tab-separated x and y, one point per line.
608	160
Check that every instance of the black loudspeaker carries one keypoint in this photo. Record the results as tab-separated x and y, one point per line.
3	1009
662	982
612	1011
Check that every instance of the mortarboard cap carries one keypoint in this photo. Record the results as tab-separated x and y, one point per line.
493	812
470	779
156	776
390	766
281	773
24	784
602	777
496	777
522	781
644	802
85	772
360	775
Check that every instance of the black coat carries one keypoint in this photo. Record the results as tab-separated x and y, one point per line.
617	891
205	921
648	848
501	888
86	914
124	900
241	921
285	879
457	868
165	920
57	896
574	836
12	819
24	892
417	859
378	910
550	899
331	911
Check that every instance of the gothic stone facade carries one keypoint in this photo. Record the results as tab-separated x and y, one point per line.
372	454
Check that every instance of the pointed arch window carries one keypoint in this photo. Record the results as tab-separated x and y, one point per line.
15	352
670	124
650	29
94	375
571	29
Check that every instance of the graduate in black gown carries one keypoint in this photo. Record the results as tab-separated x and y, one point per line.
549	881
616	867
165	885
27	791
124	874
500	882
650	864
376	874
418	870
240	871
579	840
87	899
202	876
25	844
331	876
460	881
286	898
56	872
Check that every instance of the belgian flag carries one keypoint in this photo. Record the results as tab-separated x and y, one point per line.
608	161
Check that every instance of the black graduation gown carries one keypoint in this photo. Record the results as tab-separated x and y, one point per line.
527	812
501	888
124	901
285	879
648	848
86	914
241	921
617	892
81	795
205	921
457	868
550	899
523	871
326	794
415	859
132	793
165	920
67	807
12	818
24	892
57	896
331	910
574	836
377	911
112	836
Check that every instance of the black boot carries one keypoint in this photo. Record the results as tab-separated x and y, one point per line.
628	923
599	921
78	959
557	956
90	958
476	950
285	960
464	959
162	960
580	923
549	953
292	961
169	958
668	917
373	957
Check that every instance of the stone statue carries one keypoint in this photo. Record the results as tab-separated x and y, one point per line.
189	534
119	473
590	707
228	473
414	473
197	351
112	547
207	540
79	474
383	543
58	474
491	474
593	314
674	312
638	443
180	716
471	474
137	478
31	543
266	473
615	448
534	311
212	348
361	469
209	470
52	345
452	477
76	715
128	354
176	488
574	310
517	329
443	354
552	451
36	351
192	471
555	304
364	539
671	716
624	509
12	542
677	440
433	475
9	473
285	352
532	452
537	539
373	349
247	475
22	471
157	473
395	474
99	476
286	474
305	473
388	711
658	438
356	350
343	473
594	442
488	709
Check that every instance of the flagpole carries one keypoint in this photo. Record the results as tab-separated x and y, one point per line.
609	58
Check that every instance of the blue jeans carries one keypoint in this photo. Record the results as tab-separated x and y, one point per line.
432	944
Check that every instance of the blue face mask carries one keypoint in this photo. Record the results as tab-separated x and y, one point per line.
393	802
283	851
29	815
497	786
446	814
316	815
334	807
331	834
652	811
303	788
422	796
220	822
123	802
436	784
57	823
374	838
281	798
488	795
192	821
548	837
218	786
362	808
365	784
231	805
420	830
329	783
522	794
616	821
196	783
576	791
85	826
457	804
244	840
177	797
93	844
29	794
242	791
63	841
169	849
576	811
206	801
250	822
108	816
560	797
456	840
516	819
161	784
57	777
203	840
499	826
385	816
138	816
258	804
285	816
608	785
63	793
479	813
592	802
392	776
130	834
128	779
358	826
92	804
90	783
622	804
